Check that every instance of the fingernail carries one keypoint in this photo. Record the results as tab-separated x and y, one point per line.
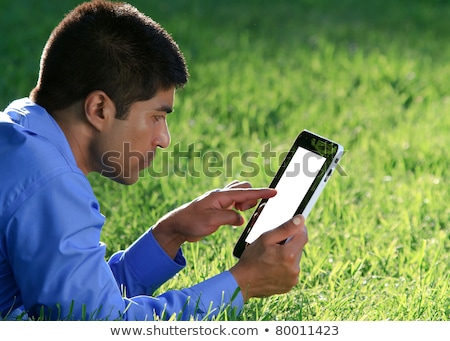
297	221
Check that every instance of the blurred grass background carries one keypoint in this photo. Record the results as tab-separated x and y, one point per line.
372	75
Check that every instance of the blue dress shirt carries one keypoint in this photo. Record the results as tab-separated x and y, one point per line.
51	258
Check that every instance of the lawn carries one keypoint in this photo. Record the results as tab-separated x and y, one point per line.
372	75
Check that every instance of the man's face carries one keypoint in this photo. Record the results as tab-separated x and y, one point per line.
132	142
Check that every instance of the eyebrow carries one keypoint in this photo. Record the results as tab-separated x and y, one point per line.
166	109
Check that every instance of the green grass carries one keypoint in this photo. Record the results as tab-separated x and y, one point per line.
373	75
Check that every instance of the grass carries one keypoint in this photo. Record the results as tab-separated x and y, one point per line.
372	75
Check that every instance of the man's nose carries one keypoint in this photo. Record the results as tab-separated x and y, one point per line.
163	138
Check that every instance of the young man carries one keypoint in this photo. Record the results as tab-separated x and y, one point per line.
108	77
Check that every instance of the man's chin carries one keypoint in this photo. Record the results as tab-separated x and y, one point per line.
125	179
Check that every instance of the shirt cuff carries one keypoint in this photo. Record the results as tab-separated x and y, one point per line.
219	292
151	263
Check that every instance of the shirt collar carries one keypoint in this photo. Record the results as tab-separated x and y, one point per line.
36	120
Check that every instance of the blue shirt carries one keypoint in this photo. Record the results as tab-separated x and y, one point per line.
51	255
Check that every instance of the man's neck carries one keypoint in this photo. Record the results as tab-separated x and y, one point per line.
78	134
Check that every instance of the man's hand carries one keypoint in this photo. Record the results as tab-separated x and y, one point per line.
268	266
204	215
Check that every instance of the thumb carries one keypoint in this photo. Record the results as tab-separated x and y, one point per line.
286	230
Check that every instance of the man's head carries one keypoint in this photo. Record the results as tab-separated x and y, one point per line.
107	46
108	76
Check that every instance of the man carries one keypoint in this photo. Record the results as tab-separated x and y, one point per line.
108	77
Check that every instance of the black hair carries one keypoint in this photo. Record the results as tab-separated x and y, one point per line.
108	46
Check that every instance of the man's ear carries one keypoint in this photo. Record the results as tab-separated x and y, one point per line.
99	109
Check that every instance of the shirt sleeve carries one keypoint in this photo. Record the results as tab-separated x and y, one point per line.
144	266
58	261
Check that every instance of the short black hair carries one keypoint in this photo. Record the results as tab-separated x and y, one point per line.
108	46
